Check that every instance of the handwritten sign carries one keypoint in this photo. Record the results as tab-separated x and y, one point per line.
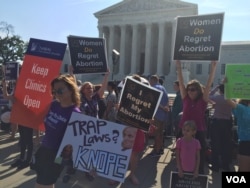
88	55
188	181
198	37
238	84
11	71
41	65
97	145
138	104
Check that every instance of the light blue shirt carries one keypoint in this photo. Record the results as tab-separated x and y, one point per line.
160	113
242	114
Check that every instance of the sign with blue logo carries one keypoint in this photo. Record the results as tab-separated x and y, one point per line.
47	49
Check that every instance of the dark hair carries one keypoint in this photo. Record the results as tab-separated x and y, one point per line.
154	78
113	86
221	88
177	82
197	85
161	81
244	102
67	151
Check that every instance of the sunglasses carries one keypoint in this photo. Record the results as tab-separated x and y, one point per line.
192	89
59	91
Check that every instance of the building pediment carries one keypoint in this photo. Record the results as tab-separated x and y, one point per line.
132	6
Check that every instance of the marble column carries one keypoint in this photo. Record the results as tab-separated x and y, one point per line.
101	34
111	46
160	55
122	49
134	49
148	49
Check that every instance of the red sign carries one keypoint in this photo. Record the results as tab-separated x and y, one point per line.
33	92
41	65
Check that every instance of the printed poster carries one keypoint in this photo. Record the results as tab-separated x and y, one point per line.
188	181
237	85
138	104
11	71
42	63
97	146
88	55
198	37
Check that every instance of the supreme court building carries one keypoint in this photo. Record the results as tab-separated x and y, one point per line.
142	31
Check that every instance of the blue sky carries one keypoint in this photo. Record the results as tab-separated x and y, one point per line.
54	20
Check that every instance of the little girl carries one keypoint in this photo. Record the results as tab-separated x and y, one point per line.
188	150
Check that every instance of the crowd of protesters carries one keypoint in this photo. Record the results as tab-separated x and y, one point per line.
188	125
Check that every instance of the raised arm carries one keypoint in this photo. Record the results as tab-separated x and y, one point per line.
209	81
6	95
70	68
104	84
231	102
180	79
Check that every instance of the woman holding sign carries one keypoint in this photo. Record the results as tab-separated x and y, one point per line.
67	100
89	102
195	99
89	98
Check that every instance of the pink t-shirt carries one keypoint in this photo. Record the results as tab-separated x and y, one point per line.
188	151
194	110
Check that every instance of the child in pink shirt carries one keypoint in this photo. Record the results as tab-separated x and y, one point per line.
188	150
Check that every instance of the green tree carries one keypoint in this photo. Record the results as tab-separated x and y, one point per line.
12	47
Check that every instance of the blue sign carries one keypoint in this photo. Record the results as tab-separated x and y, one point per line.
11	71
47	49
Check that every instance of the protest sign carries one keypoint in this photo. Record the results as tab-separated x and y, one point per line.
237	84
188	181
88	55
138	104
198	37
11	71
97	146
42	63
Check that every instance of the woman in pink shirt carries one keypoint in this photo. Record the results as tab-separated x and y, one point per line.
195	98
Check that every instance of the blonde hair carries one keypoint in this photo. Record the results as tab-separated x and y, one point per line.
84	86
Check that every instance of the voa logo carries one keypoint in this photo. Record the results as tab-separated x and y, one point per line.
236	179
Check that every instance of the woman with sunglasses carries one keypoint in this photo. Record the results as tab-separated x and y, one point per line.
66	100
195	98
